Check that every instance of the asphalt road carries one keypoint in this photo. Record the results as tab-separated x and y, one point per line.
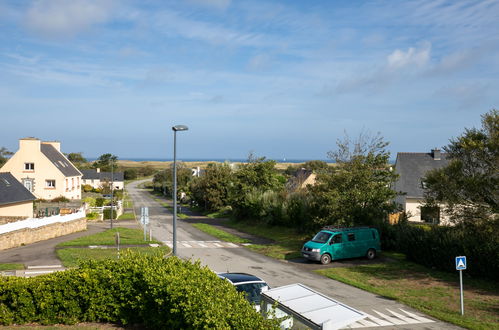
222	256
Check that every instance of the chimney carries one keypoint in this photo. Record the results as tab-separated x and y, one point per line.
31	144
98	170
435	153
55	144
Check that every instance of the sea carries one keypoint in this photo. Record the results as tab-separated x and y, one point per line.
220	160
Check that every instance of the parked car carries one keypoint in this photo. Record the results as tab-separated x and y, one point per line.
333	243
251	285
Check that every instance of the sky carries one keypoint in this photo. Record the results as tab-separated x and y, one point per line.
280	79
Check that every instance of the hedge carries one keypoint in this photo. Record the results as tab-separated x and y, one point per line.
438	246
148	291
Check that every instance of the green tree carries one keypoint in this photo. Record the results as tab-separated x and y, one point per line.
356	191
78	160
163	180
211	190
316	165
469	186
130	174
255	177
4	155
105	162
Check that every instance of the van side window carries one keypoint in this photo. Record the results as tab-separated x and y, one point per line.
351	237
374	234
337	239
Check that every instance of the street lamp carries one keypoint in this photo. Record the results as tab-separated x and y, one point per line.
175	129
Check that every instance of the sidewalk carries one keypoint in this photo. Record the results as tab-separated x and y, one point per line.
43	253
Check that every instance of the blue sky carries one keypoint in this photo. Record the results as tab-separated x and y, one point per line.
283	79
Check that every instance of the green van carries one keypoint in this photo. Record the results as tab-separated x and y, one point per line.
333	243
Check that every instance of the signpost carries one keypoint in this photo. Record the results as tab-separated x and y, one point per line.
460	266
117	239
144	219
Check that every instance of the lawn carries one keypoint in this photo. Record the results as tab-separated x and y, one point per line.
127	216
127	236
220	234
11	267
71	256
433	292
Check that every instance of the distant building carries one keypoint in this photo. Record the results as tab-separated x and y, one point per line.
301	179
97	179
44	170
412	168
15	200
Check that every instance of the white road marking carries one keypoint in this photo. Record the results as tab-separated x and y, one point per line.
45	267
417	317
186	245
392	319
203	245
231	244
378	321
409	320
218	245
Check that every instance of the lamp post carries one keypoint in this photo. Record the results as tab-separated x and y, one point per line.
175	129
112	191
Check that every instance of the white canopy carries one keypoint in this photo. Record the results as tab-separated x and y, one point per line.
310	307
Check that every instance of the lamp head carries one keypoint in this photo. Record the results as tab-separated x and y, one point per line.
177	128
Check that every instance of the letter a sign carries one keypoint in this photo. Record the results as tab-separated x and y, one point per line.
461	263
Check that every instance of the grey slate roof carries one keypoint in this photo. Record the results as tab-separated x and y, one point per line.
102	176
12	191
59	161
412	167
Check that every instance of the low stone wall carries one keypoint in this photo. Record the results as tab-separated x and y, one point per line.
4	220
31	235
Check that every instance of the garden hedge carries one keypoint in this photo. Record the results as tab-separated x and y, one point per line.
149	291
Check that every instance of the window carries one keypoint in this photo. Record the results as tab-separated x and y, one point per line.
50	183
351	237
430	214
337	239
29	166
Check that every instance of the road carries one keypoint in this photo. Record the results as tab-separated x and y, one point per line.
222	256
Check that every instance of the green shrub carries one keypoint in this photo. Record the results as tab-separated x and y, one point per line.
107	214
148	291
60	199
87	188
99	201
90	201
92	216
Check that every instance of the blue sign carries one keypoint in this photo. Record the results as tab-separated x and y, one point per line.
461	263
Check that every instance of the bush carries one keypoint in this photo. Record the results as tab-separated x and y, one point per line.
148	291
107	214
87	188
130	174
437	247
92	216
90	201
60	199
99	201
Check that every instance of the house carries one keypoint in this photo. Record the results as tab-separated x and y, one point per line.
412	168
44	170
97	179
301	179
15	200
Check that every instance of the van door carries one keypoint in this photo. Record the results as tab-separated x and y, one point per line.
352	248
336	246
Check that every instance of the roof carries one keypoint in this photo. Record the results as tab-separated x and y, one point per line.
102	176
412	167
12	191
59	161
240	277
313	309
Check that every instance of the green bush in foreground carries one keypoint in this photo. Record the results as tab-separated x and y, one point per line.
146	290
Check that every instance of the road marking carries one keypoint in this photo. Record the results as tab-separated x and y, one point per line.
44	267
203	244
396	318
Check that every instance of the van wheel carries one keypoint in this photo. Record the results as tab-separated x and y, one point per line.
371	254
325	259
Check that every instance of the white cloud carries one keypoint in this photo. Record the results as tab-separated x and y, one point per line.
412	57
61	18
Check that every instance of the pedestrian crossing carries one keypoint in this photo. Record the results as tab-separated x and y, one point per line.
389	318
202	244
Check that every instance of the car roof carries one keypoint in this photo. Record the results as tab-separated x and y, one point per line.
240	277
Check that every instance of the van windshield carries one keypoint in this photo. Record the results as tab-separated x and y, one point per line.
321	237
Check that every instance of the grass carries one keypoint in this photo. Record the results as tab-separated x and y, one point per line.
220	234
127	216
71	256
433	292
167	205
11	267
286	242
127	236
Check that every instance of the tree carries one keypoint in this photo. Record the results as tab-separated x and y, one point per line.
4	155
469	186
316	165
130	174
163	180
211	190
255	177
105	162
356	191
78	160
